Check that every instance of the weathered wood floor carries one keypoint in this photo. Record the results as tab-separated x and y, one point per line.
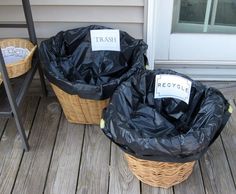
65	158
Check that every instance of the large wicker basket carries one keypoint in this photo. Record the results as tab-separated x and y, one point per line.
80	110
21	67
159	174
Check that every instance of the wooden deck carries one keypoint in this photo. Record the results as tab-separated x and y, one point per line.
66	158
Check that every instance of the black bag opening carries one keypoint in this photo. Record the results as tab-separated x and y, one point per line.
70	63
164	129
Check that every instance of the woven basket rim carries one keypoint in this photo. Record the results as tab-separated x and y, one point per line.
23	62
16	39
25	59
33	48
159	161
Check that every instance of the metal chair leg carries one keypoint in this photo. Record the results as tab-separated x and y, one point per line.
21	131
12	101
33	39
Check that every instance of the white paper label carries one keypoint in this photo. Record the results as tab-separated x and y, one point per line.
105	40
172	86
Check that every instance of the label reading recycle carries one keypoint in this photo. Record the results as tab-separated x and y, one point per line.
172	86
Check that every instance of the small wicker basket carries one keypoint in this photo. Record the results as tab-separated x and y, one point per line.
80	110
21	67
159	174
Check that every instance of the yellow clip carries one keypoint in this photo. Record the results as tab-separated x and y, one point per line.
102	124
146	66
230	110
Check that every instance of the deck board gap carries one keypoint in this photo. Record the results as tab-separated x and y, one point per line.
200	167
108	189
34	165
140	187
34	117
81	155
52	152
226	155
18	171
173	189
3	129
36	110
234	100
224	141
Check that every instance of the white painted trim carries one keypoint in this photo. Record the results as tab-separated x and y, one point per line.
214	10
207	15
202	70
163	27
197	63
176	12
202	47
185	55
197	28
151	24
145	20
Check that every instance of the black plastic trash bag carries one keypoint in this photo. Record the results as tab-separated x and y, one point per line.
164	129
70	63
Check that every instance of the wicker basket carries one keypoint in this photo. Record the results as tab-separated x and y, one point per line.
21	67
80	110
159	174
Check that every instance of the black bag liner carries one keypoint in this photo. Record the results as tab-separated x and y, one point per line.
164	129
70	63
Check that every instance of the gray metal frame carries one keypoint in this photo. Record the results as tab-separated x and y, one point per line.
14	98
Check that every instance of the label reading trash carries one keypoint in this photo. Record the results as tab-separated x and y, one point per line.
172	86
108	40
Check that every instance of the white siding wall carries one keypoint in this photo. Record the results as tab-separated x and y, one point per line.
51	16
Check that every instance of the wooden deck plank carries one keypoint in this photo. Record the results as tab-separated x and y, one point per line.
57	170
63	172
3	122
215	170
35	88
94	168
146	189
227	88
34	166
11	146
193	185
229	140
122	181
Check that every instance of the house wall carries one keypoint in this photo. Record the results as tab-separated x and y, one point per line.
52	16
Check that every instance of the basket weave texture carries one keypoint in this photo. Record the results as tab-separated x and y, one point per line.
21	67
80	110
159	174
